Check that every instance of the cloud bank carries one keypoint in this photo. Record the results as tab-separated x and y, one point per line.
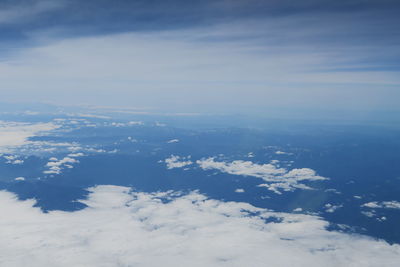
124	228
14	134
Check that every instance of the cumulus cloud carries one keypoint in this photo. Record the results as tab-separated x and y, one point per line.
250	155
12	159
55	166
124	228
177	162
277	178
330	208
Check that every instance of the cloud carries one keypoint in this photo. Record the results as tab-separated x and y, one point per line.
125	228
197	69
85	115
15	137
15	134
122	124
382	205
173	141
277	178
159	124
177	162
12	159
55	166
283	153
330	208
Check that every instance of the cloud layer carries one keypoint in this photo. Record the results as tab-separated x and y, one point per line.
124	228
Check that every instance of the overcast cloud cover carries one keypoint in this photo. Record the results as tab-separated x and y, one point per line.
198	55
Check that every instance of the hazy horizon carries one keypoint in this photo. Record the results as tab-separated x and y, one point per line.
245	56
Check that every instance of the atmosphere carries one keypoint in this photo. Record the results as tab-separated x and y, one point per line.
204	133
203	55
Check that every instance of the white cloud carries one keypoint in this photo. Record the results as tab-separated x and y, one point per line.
382	205
55	166
135	123
177	162
125	124
239	190
159	124
283	153
133	140
173	141
15	134
12	159
85	115
20	179
119	228
369	214
277	178
76	155
330	208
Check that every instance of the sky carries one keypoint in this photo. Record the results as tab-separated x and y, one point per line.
202	56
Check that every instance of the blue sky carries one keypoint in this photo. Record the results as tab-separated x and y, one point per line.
230	56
